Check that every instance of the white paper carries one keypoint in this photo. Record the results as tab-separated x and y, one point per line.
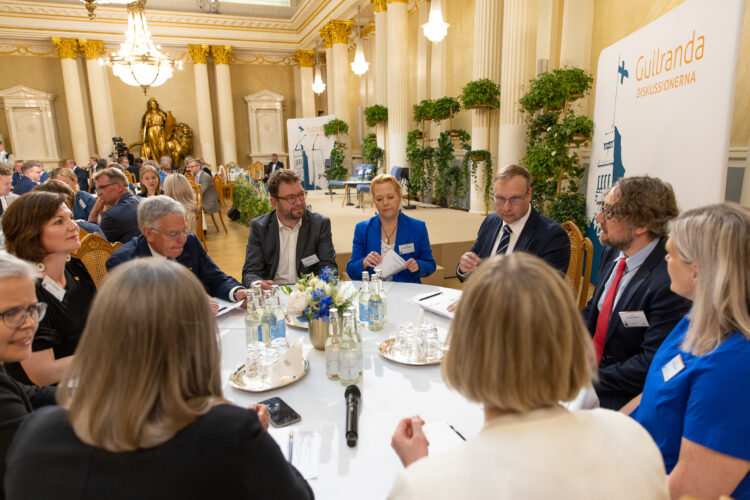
439	303
441	437
225	306
391	264
306	443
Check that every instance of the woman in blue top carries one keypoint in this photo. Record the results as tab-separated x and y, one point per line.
391	231
696	400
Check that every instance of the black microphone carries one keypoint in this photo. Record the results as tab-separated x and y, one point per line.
352	396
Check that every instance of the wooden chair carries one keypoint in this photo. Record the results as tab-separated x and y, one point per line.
92	188
130	176
189	176
227	180
82	233
219	188
579	276
94	252
199	216
256	171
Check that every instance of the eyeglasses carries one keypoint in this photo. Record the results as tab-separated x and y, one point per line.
514	200
172	235
293	197
13	318
607	211
102	186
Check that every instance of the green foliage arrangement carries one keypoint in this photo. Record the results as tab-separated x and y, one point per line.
451	181
445	108
372	153
335	127
477	158
376	114
250	199
418	158
482	93
552	131
423	111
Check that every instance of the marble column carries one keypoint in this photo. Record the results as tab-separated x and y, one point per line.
518	67
339	31
101	103
199	55
222	54
575	45
398	83
306	61
327	36
438	73
381	67
67	49
484	122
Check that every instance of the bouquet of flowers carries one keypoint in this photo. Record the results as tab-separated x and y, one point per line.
313	296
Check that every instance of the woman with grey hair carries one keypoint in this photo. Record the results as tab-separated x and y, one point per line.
21	314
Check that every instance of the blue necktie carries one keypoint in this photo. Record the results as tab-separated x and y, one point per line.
504	240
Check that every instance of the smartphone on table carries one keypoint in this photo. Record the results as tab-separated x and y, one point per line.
281	413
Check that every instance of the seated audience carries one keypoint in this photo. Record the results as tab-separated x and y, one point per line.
695	401
84	202
177	187
82	173
516	226
101	164
120	221
141	410
32	172
206	182
21	313
17	174
288	240
391	231
150	181
633	282
6	186
518	346
164	169
59	187
39	228
164	234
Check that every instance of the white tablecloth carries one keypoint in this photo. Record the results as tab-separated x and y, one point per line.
390	392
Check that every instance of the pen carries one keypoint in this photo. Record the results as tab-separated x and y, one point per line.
429	296
454	430
291	445
223	308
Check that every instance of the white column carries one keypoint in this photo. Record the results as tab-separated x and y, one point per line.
484	122
575	45
199	54
327	36
398	83
340	31
306	61
224	102
438	86
101	104
423	54
381	68
67	49
518	56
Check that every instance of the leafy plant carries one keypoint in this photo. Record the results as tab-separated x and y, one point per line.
419	176
335	127
451	181
337	171
424	111
250	199
372	153
376	114
569	206
484	158
445	108
481	93
551	91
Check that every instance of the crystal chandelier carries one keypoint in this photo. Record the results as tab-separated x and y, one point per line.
435	29
318	86
359	65
139	62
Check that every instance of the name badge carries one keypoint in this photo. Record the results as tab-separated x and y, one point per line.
82	203
632	319
672	368
310	260
408	248
52	287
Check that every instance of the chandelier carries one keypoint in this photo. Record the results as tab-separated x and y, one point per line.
139	62
435	29
318	86
359	65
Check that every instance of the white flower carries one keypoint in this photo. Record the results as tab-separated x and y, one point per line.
297	302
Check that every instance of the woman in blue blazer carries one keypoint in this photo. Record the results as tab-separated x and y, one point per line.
391	231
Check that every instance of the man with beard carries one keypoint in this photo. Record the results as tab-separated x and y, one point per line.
288	240
633	309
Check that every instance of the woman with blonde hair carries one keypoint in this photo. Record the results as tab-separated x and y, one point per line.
141	409
177	187
150	181
696	400
518	345
390	230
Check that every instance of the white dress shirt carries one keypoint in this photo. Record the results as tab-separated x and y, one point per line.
516	228
286	273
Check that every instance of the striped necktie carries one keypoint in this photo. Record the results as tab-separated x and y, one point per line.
502	247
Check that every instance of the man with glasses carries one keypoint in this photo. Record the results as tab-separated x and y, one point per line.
633	309
516	227
164	235
288	240
120	221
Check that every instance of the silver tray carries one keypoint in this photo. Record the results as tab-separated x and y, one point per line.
295	323
237	379
386	350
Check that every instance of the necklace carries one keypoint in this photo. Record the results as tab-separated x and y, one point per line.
388	235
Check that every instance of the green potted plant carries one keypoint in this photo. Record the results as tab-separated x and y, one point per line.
482	93
451	181
477	158
376	114
372	153
250	199
337	127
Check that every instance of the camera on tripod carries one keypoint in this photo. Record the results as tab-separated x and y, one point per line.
120	148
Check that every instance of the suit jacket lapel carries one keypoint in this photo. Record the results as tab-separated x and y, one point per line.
496	224
527	233
403	233
273	243
304	231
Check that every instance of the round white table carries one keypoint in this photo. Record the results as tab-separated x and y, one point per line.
390	391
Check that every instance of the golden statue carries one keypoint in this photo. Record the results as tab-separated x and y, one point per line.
162	136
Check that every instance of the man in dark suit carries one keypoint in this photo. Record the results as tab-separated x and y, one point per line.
164	234
633	309
32	172
82	173
516	227
273	167
120	221
288	240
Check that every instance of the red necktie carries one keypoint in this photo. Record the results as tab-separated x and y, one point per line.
602	322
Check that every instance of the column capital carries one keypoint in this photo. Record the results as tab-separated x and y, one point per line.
67	48
327	36
396	1
339	31
368	30
379	5
222	53
305	58
92	49
199	53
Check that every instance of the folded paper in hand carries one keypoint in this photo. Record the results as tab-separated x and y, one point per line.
391	264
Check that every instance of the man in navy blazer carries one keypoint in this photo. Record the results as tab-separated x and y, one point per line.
273	166
642	308
516	227
32	172
164	234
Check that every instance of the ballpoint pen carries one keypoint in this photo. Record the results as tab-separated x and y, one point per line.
454	430
291	445
429	296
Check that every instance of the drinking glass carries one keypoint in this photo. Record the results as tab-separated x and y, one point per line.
430	342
